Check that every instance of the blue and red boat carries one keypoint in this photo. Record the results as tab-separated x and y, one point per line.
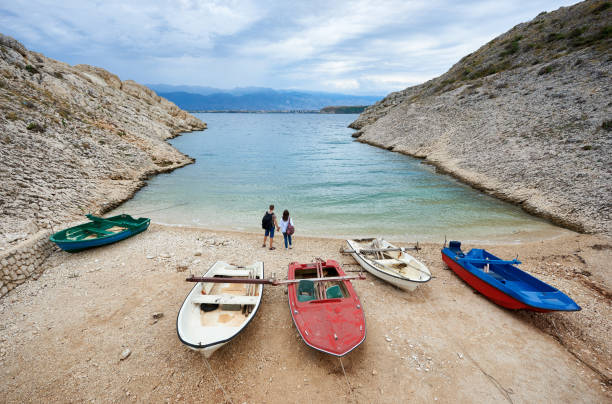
503	283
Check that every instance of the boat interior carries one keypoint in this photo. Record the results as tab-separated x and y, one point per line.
308	290
505	273
389	258
92	231
235	302
395	261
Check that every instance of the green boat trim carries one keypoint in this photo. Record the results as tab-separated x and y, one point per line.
123	223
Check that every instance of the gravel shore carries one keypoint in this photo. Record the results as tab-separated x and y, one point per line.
87	327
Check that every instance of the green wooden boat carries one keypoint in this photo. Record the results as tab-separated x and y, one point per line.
99	231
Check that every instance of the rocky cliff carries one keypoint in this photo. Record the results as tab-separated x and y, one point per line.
527	117
75	139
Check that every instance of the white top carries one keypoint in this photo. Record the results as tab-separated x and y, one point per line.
283	225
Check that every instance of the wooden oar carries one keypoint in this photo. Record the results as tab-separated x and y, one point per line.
274	282
375	250
486	261
322	287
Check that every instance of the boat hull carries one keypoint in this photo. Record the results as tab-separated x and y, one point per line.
396	280
335	326
491	285
84	245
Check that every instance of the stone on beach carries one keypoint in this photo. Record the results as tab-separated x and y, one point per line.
125	354
182	266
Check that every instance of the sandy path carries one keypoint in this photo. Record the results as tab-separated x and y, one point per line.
62	335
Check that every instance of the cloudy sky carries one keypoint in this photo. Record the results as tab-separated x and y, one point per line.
354	46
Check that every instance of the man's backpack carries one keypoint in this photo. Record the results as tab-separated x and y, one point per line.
266	221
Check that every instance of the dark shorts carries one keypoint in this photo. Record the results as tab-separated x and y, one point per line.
270	232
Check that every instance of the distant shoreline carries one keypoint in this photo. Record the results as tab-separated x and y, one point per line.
300	111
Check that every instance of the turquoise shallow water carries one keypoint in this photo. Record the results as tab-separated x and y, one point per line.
333	186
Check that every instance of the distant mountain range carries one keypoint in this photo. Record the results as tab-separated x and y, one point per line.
196	98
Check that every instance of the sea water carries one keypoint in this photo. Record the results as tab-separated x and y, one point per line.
332	185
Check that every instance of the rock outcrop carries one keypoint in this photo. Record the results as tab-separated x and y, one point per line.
75	139
527	117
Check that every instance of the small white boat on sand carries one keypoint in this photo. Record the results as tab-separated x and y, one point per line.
213	313
388	262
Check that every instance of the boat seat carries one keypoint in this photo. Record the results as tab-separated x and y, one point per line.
334	292
306	290
232	272
389	261
98	231
79	232
226	299
496	276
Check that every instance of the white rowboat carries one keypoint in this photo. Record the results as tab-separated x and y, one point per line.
387	262
209	320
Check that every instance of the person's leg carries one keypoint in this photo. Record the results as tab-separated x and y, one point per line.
290	244
265	238
271	238
285	235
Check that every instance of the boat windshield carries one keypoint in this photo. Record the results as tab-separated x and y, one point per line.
308	290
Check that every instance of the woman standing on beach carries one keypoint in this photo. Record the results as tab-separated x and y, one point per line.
286	226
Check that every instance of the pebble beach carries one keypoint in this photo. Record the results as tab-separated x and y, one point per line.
100	326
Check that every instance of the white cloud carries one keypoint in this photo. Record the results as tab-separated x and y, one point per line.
341	22
342	84
343	45
396	80
138	27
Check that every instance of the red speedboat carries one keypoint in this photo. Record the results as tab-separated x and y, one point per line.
326	310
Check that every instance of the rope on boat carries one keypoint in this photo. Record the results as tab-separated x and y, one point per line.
227	397
346	377
157	210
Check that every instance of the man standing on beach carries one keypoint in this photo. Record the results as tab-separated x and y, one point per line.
268	223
